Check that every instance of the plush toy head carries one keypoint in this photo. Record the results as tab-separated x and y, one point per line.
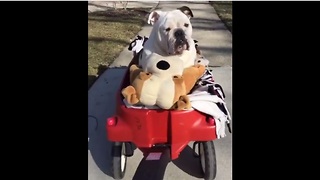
165	83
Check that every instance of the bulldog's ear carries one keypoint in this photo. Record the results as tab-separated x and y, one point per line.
153	17
187	11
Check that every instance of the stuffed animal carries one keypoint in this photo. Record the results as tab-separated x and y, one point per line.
165	83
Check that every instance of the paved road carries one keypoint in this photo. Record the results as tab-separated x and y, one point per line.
216	42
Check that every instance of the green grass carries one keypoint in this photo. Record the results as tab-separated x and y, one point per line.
109	33
224	11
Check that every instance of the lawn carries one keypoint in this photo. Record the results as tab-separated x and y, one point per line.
224	11
109	32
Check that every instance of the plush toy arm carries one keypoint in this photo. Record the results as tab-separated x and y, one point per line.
192	74
182	104
130	95
181	100
134	72
184	84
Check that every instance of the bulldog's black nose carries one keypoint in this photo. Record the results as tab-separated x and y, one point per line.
179	33
163	65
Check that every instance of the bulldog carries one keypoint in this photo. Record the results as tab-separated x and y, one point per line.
171	35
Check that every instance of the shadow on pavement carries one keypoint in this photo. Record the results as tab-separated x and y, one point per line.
188	163
155	169
207	24
100	149
102	104
217	50
152	169
93	78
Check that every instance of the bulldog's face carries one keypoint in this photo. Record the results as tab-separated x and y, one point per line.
174	30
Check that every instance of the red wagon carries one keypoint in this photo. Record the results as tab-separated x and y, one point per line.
154	130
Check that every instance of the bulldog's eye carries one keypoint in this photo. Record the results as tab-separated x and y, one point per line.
186	25
168	29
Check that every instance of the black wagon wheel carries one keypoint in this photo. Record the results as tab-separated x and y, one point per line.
119	161
207	157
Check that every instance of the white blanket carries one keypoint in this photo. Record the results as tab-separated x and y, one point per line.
205	102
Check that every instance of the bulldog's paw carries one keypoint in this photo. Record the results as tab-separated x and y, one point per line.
183	103
144	75
130	94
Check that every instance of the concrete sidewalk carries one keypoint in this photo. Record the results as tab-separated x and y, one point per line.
216	43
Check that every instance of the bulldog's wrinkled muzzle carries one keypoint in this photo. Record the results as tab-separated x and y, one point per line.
181	42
